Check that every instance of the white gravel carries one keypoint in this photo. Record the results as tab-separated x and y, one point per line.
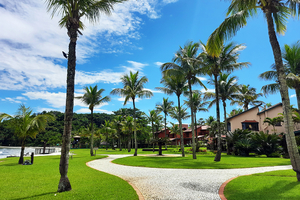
175	184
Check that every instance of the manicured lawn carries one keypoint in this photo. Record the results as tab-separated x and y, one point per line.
276	185
202	162
140	151
40	180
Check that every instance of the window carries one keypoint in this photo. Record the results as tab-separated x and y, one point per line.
187	134
228	126
278	124
253	126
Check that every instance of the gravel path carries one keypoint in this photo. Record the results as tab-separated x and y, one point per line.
175	184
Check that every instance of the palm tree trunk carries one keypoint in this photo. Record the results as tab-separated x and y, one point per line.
192	125
165	129
298	97
129	143
218	154
21	159
64	183
180	127
226	126
92	133
153	134
288	122
134	124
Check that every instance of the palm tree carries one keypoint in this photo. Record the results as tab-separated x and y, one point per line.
165	107
133	87
247	96
93	97
198	104
227	91
107	130
188	66
174	129
128	127
72	12
117	123
175	85
274	11
273	121
226	61
209	120
27	125
291	58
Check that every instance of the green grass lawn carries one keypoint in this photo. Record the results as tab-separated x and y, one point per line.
202	162
276	185
40	180
170	150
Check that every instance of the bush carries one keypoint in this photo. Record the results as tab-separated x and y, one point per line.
265	143
274	155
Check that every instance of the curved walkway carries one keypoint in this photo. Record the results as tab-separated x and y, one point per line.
175	184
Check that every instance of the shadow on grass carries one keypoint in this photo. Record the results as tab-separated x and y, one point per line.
38	195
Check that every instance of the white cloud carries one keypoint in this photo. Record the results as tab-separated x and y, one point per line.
202	78
293	95
154	91
170	1
86	110
12	100
208	90
31	43
158	64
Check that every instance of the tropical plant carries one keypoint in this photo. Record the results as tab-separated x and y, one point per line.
198	104
72	12
127	128
174	129
235	112
273	121
209	120
27	125
133	87
265	143
276	11
117	124
93	97
175	85
107	131
291	59
165	107
246	96
185	62
225	61
244	146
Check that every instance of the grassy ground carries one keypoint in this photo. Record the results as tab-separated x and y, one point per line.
40	180
202	162
276	185
170	150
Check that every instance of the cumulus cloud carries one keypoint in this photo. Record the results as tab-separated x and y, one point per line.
293	96
208	90
31	43
158	64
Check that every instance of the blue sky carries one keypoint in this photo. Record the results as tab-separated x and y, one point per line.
139	35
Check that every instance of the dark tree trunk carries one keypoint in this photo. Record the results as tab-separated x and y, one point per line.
226	126
166	128
153	134
134	124
192	121
64	183
219	150
92	133
160	149
180	127
21	159
288	122
129	143
298	97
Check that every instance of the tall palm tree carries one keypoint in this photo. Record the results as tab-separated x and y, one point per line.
198	104
117	123
185	62
165	107
276	11
133	87
107	130
128	127
247	96
226	61
174	129
93	97
227	91
175	85
291	58
72	12
27	125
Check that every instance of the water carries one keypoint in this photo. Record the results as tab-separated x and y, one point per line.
14	151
